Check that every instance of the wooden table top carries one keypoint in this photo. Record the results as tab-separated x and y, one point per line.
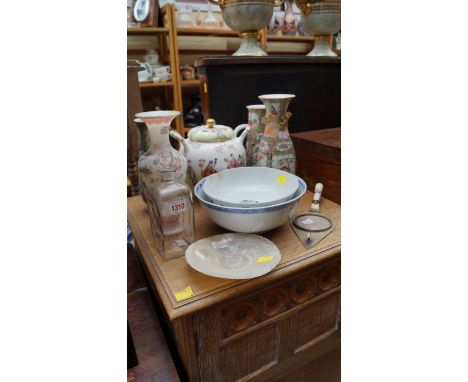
326	137
173	276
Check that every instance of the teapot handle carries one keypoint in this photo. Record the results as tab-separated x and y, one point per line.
240	127
244	127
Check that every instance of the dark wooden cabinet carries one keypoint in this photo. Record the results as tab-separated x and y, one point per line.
318	155
229	84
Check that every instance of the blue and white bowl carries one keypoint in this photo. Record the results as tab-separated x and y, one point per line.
250	219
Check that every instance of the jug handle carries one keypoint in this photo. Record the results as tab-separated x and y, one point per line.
174	134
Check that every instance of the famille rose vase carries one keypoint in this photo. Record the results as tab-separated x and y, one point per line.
276	148
160	152
256	123
212	148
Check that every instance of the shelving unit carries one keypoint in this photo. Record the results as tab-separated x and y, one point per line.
167	50
168	47
186	83
147	30
206	32
155	84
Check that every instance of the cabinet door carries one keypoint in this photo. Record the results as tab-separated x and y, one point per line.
265	332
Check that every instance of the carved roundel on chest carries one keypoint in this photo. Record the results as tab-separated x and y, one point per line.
274	302
329	278
243	316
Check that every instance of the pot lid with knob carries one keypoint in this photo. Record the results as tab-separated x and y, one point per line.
211	132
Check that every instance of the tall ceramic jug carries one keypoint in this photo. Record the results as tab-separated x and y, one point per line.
257	125
160	153
276	148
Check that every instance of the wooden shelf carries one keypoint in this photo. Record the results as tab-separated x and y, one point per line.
155	84
186	83
147	30
206	32
290	38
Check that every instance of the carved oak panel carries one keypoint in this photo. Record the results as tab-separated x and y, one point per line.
248	354
249	338
315	320
268	304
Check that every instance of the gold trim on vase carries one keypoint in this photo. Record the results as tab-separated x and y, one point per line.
227	3
307	7
248	34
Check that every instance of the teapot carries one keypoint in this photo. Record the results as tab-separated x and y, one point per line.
212	148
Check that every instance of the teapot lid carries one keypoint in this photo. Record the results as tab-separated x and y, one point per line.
211	132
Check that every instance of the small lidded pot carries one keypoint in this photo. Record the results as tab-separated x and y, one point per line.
212	148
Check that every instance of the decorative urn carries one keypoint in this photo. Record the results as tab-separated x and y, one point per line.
212	148
248	17
321	19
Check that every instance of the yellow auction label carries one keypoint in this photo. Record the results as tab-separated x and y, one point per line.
264	259
281	179
183	294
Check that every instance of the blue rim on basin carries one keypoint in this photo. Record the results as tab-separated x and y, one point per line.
248	210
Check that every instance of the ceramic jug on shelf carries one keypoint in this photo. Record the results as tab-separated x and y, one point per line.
276	149
212	148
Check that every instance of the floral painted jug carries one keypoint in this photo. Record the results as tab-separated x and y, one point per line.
160	152
276	149
212	148
257	125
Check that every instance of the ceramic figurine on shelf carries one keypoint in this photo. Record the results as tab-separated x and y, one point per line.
160	153
289	25
276	148
276	23
212	148
257	125
170	206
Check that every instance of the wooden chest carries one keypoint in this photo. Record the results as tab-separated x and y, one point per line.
276	327
318	156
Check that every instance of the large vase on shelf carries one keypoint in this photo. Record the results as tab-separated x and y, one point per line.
247	17
276	149
160	152
321	19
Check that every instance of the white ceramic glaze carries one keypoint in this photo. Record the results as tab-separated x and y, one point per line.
250	187
233	256
160	151
211	150
250	220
